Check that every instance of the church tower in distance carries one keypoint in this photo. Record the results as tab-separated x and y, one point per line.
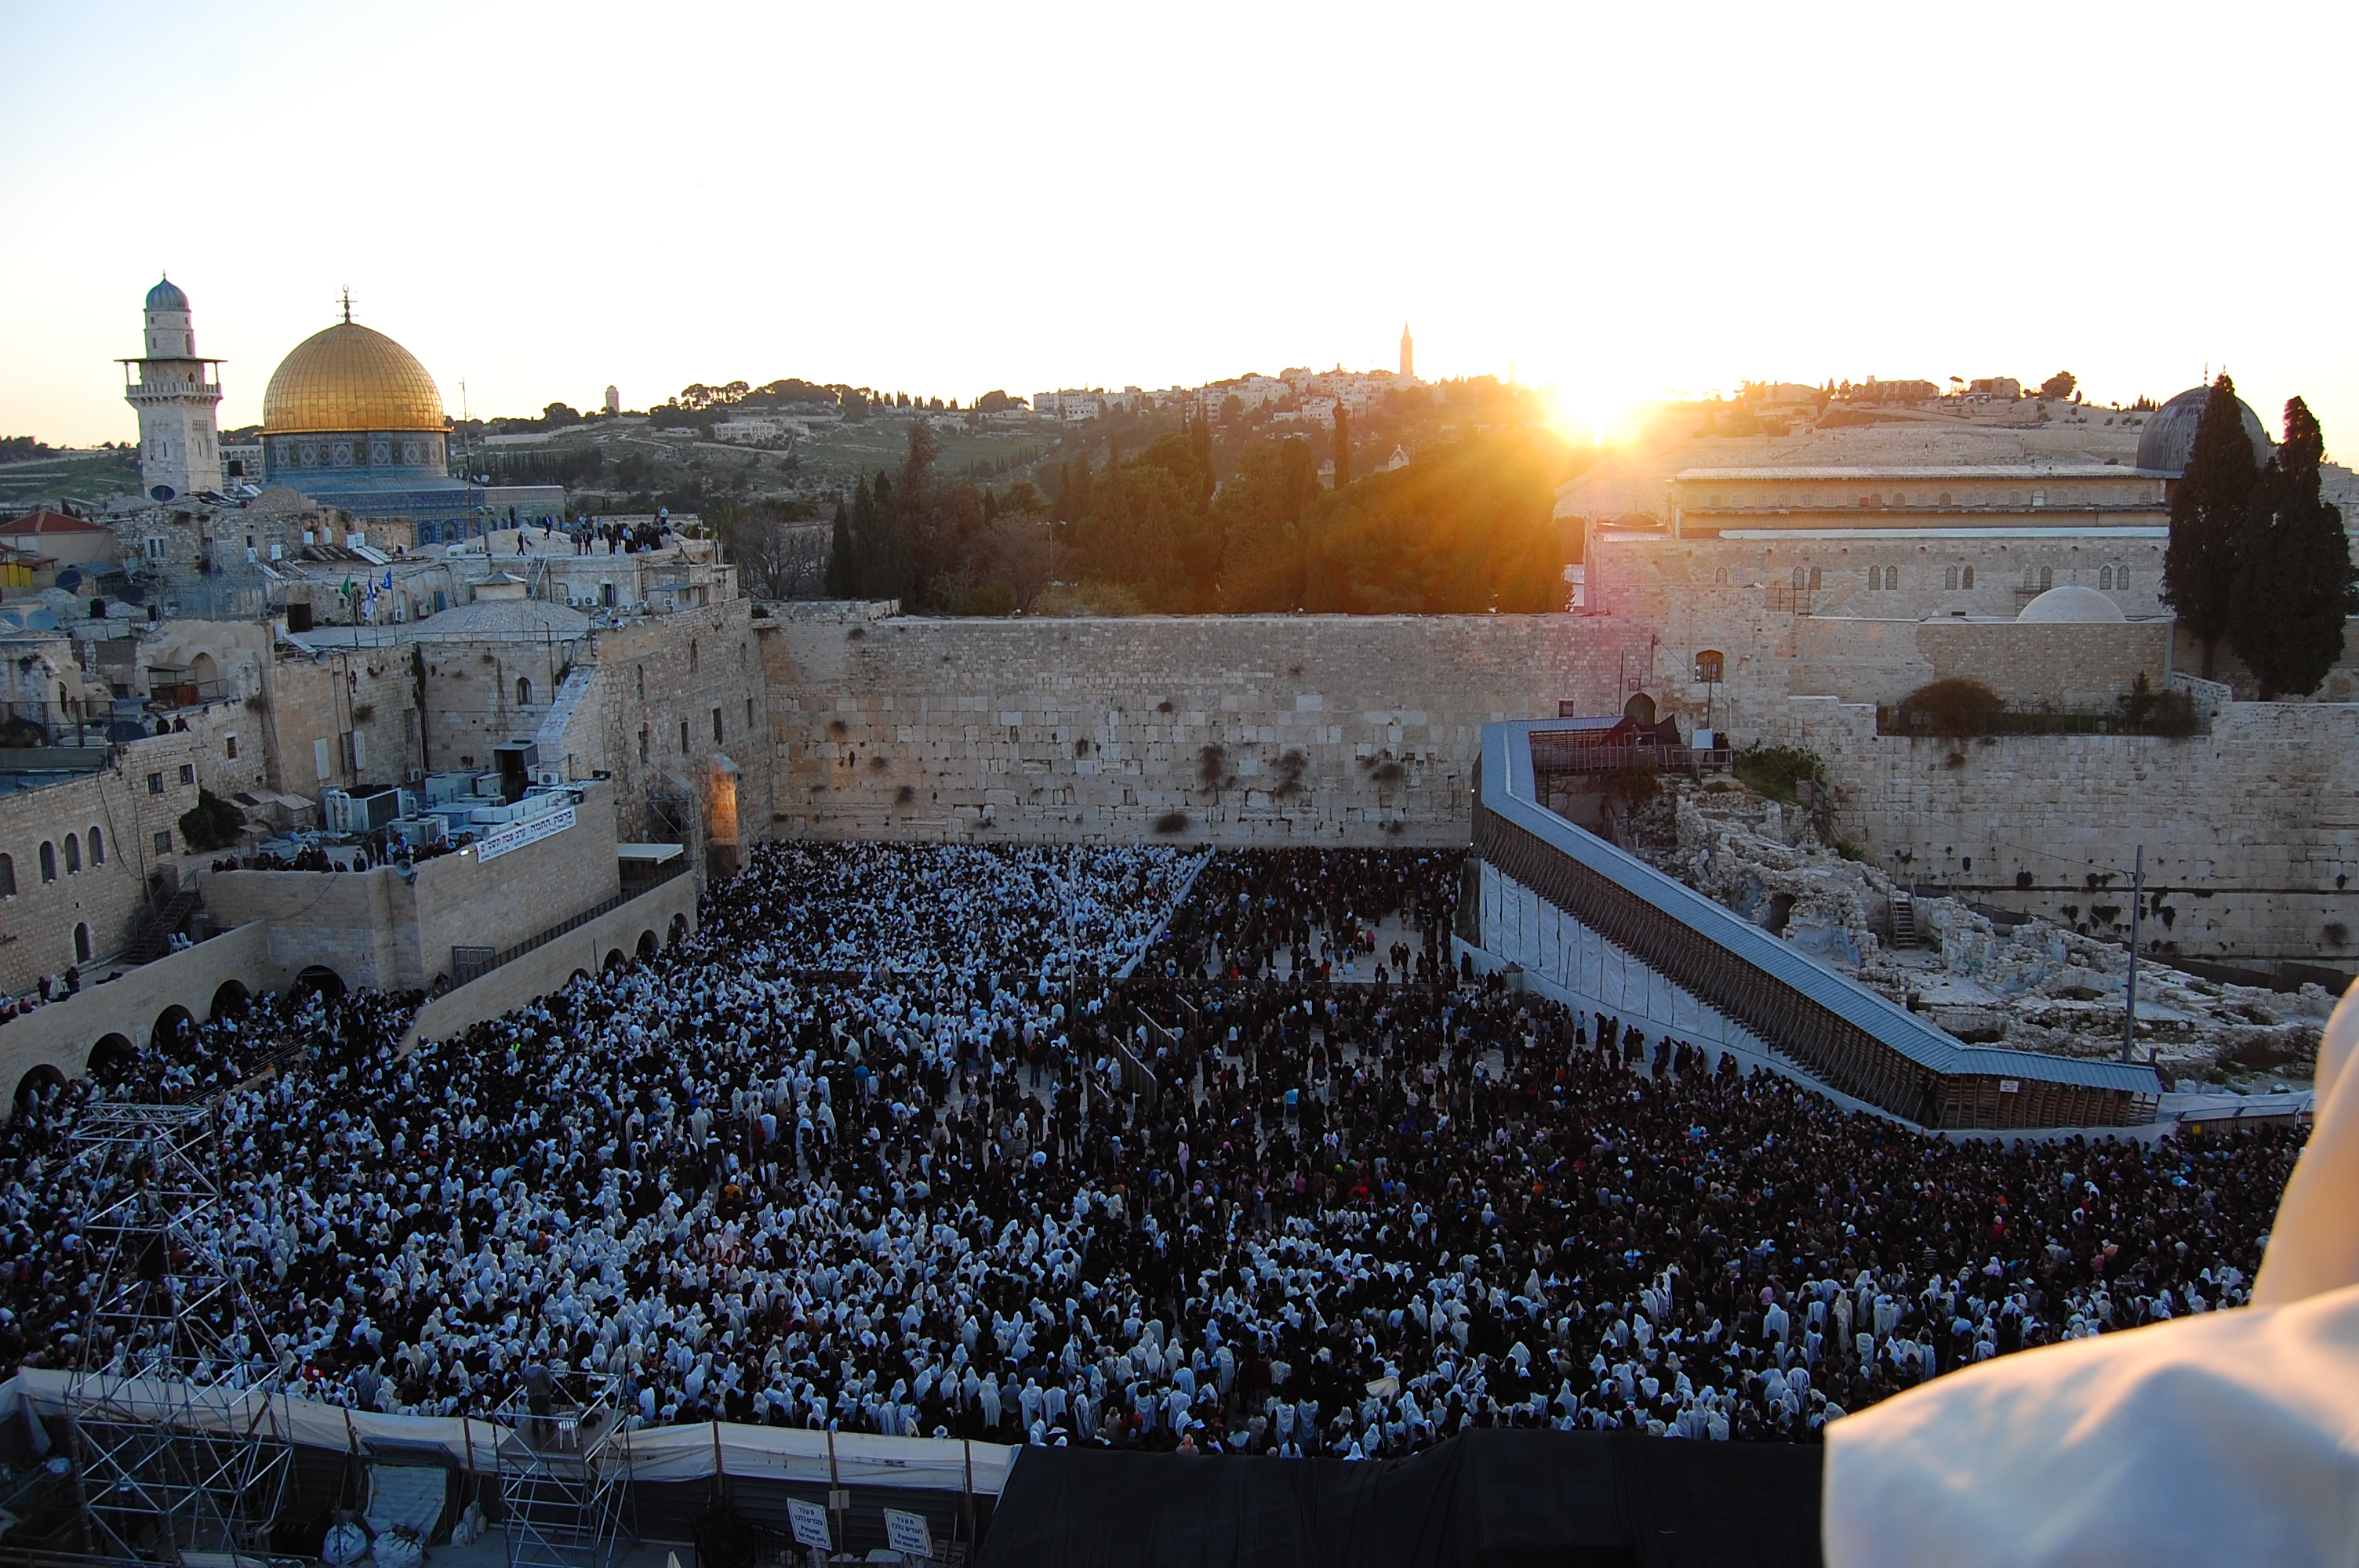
1408	355
175	393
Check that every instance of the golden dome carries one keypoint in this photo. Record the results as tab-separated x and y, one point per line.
350	378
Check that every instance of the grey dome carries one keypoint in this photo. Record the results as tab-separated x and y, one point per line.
2170	434
167	295
2071	603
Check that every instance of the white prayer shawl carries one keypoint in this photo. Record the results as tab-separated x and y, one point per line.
2220	1437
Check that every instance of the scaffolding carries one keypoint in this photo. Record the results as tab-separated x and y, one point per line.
169	1455
565	1475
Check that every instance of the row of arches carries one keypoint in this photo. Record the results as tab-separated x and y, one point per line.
49	859
232	998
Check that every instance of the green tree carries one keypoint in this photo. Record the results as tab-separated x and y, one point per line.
1464	529
1342	446
1260	511
2295	583
2059	387
843	571
2208	509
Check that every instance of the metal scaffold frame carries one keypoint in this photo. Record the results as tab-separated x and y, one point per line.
164	1418
565	1475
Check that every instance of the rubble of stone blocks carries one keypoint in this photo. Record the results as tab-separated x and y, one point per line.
2034	986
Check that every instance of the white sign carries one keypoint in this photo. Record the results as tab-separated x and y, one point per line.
906	1533
810	1524
516	835
2011	1086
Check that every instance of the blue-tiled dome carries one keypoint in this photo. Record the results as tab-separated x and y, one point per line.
167	295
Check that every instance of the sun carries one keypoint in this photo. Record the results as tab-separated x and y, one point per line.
1592	413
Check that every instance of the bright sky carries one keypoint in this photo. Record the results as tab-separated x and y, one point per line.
1618	199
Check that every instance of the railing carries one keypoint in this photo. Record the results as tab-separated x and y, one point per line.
1562	753
474	964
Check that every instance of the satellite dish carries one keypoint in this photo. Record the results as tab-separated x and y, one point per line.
70	579
162	492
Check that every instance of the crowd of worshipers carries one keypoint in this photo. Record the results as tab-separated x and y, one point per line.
895	1144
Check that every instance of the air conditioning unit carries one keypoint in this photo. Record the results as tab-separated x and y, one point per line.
549	778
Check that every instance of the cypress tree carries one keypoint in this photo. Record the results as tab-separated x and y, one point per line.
863	538
2296	584
842	571
2208	509
1342	446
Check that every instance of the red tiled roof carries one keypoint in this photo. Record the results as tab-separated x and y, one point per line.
46	521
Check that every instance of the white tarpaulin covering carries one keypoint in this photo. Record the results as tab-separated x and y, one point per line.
657	1453
2224	1437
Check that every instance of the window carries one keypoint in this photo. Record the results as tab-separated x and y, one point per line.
188	773
643	742
49	862
1945	498
156	783
97	849
2104	577
643	681
7	876
1949	577
1801	578
1709	665
229	744
1966	577
319	759
82	944
1892	577
2121	578
2047	579
716	727
164	843
1720	577
1816	580
683	737
749	714
692	656
524	692
73	854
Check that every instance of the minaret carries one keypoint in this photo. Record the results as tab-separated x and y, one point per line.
1408	355
179	451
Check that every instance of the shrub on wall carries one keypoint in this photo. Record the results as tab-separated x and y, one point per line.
1954	707
211	824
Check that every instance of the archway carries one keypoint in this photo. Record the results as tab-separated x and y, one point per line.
112	1054
614	960
320	981
647	945
1639	710
173	1025
679	931
230	1000
579	974
43	1079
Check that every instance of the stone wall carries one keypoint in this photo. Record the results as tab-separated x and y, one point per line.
1260	729
652	921
2251	842
380	929
2075	667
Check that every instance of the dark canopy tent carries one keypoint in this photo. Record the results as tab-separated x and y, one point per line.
1492	1498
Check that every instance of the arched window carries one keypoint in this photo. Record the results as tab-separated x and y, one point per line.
73	854
692	656
82	944
49	862
1801	578
2104	577
1720	577
2121	578
524	692
7	876
1892	577
1815	580
1949	577
1966	577
97	849
2047	579
1945	498
1709	664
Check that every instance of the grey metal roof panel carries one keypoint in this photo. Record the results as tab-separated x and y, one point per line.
1509	789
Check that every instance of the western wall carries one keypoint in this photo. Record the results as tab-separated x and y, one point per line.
1317	729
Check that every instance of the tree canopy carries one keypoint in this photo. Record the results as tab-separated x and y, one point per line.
2295	583
2207	515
